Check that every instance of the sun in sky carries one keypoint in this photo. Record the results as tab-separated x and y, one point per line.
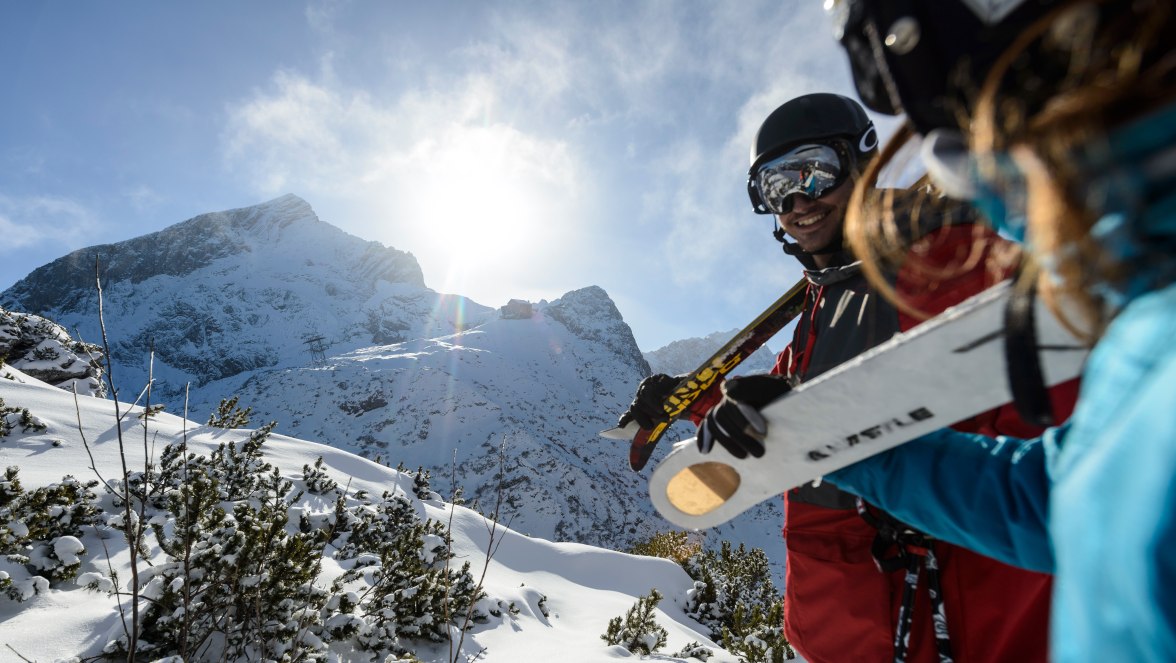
518	150
488	198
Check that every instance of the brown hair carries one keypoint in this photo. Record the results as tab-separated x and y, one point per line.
1090	65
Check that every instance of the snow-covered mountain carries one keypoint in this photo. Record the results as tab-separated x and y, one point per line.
339	340
683	356
231	292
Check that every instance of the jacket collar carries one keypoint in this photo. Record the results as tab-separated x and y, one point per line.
844	266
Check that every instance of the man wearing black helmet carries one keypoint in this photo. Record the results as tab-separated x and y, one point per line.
860	585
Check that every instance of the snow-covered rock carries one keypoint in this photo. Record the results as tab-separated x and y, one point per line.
45	350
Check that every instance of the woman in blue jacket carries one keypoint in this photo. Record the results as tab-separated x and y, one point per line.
1068	141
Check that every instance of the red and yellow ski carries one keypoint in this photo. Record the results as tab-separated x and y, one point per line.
706	377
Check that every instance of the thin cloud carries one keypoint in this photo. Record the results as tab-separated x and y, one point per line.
42	220
143	198
329	138
628	124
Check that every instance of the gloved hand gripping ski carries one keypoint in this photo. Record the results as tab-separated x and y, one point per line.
736	422
691	387
648	408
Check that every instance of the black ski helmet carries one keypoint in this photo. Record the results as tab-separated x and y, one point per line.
813	118
927	57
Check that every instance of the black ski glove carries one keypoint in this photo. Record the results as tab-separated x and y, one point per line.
646	408
736	422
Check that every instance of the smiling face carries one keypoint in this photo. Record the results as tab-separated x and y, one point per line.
815	225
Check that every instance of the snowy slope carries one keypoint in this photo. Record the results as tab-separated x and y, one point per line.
533	385
585	586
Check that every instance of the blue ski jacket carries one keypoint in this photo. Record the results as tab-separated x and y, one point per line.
1092	501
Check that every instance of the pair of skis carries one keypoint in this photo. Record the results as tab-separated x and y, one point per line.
945	370
706	377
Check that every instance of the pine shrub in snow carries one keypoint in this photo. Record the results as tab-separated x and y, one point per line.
639	631
316	479
757	636
733	596
240	580
420	485
230	415
235	584
411	591
41	530
12	418
238	471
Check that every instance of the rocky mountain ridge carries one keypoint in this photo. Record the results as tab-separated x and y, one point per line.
684	355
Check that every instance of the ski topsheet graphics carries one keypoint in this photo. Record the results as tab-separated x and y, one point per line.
947	369
706	376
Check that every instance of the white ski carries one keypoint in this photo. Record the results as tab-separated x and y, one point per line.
945	370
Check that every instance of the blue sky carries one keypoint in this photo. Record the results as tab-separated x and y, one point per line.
517	149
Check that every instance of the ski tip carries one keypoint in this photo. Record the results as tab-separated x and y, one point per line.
619	433
628	432
637	459
642	447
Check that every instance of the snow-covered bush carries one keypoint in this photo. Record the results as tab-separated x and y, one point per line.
238	471
41	529
241	579
230	415
734	597
316	479
420	485
756	635
13	417
411	591
639	631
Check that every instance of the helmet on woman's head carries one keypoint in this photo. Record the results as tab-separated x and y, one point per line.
812	119
927	58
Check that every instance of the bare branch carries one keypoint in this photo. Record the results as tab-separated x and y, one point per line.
19	654
86	443
491	549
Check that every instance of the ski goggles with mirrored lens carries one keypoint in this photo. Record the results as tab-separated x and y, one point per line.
812	170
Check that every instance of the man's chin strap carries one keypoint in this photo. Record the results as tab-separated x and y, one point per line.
806	257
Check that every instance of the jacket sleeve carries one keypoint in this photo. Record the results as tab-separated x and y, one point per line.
987	494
